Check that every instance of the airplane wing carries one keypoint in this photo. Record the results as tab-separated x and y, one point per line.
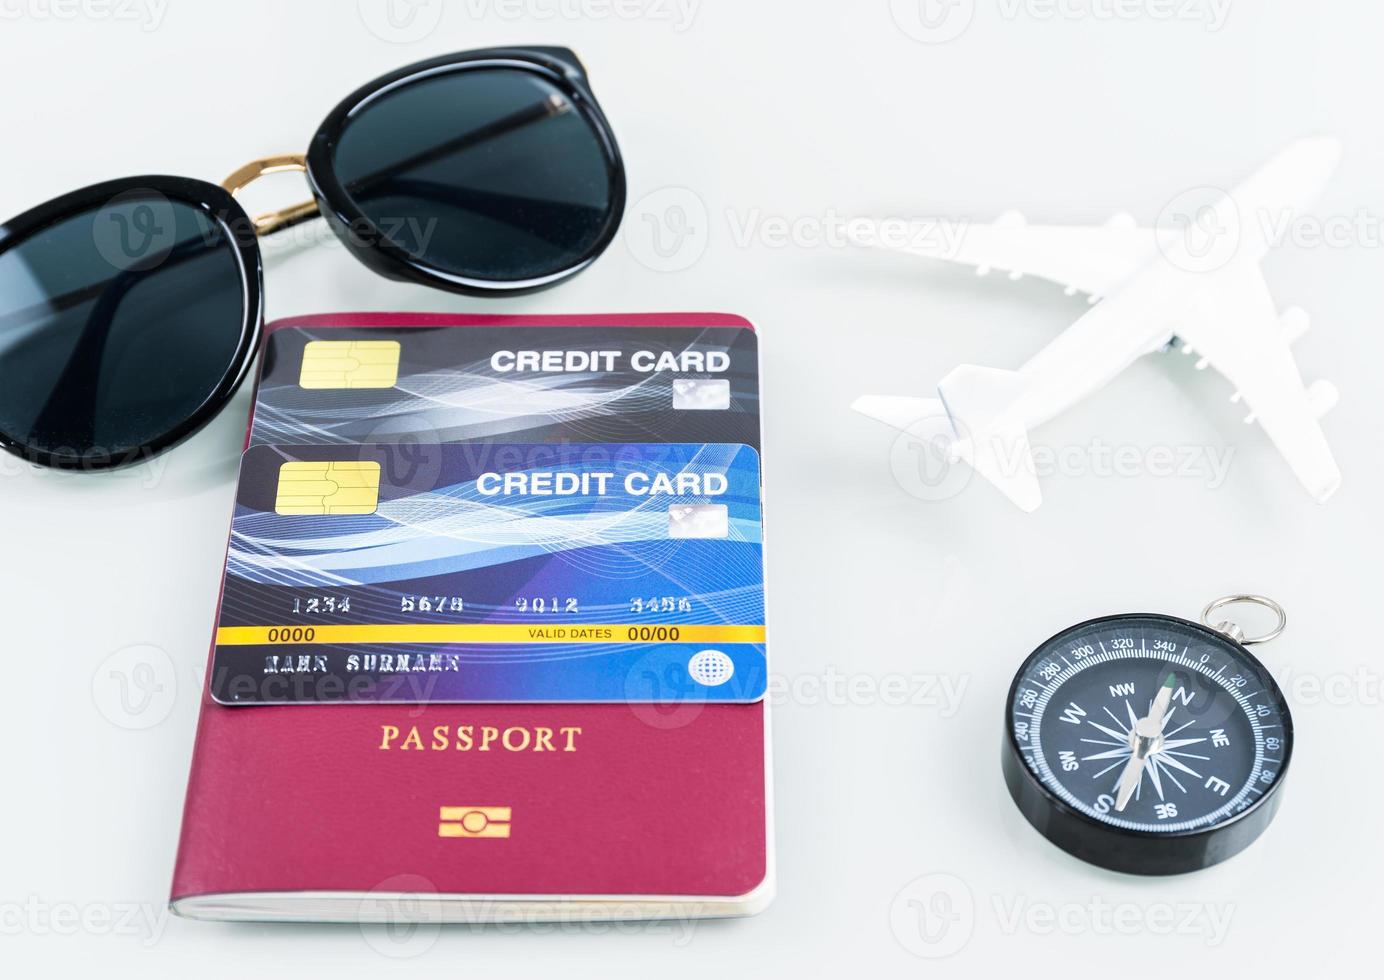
1092	259
1235	327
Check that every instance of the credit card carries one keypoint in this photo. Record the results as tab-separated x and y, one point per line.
494	572
428	385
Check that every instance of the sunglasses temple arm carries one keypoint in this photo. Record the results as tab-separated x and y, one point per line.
274	221
121	280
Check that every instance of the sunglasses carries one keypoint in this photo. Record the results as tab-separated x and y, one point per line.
130	311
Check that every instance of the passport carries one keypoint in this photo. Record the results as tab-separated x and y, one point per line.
427	485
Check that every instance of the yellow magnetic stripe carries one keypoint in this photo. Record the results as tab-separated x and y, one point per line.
350	364
345	487
486	633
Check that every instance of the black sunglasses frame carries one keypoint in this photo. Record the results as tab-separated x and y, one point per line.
558	66
223	210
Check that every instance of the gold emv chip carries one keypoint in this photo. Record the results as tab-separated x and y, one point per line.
351	487
350	364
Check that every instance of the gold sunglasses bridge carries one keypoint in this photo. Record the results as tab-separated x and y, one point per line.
272	221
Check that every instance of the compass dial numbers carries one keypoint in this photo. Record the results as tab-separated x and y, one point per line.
1209	747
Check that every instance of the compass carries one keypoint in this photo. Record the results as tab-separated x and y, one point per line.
1149	744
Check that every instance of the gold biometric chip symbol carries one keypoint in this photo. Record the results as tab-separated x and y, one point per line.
349	487
473	821
350	364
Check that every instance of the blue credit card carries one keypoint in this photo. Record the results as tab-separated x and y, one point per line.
494	572
428	385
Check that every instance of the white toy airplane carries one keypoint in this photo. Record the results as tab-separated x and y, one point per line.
1155	286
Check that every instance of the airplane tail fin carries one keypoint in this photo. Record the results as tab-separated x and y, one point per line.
901	413
980	402
975	404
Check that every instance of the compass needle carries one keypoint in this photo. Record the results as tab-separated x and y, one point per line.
1144	737
1130	779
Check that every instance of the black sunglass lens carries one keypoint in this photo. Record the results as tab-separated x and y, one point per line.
117	324
488	174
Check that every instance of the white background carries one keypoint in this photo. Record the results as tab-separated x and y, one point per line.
752	117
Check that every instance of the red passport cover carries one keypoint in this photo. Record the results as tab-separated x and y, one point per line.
633	801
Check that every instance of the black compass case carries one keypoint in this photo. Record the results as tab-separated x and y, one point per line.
1118	848
1123	850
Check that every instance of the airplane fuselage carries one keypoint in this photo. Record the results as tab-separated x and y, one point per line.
1081	360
